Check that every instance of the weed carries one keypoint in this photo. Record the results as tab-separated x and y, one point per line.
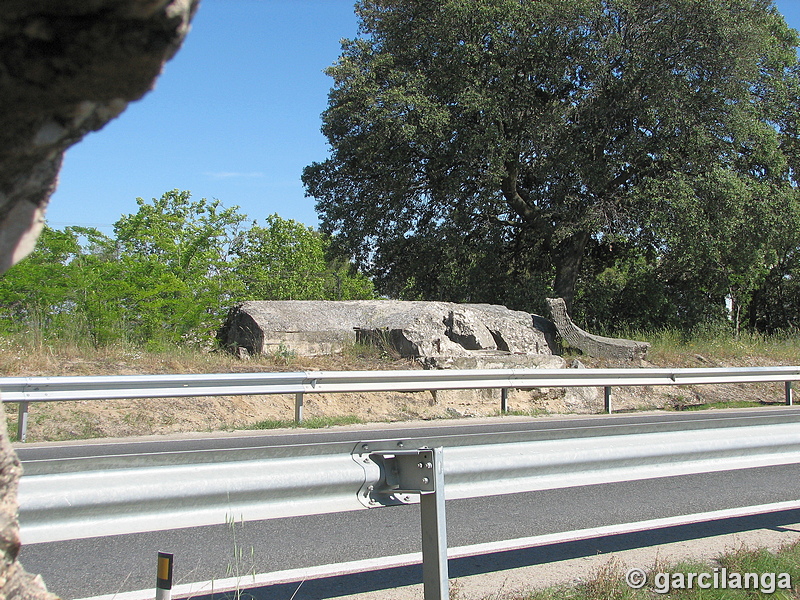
675	347
377	343
138	420
531	412
731	404
238	566
455	592
786	560
608	581
681	403
362	350
284	354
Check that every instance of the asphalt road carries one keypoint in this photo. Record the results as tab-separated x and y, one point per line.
95	566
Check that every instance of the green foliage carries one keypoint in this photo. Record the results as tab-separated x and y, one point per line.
174	256
285	260
479	148
775	302
52	288
168	276
608	581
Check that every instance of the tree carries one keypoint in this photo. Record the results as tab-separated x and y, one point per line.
540	128
175	262
38	289
169	275
775	302
286	260
64	287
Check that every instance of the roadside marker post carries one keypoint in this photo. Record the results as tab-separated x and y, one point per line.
504	400
164	576
22	422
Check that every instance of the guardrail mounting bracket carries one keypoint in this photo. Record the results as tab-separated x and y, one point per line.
394	475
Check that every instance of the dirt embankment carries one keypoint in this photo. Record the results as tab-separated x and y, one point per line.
119	418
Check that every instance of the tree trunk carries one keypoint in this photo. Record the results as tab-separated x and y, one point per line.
567	258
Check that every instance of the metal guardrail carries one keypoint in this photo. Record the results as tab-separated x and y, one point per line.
25	390
65	498
109	496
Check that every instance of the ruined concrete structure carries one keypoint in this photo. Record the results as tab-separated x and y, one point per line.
593	345
433	331
440	334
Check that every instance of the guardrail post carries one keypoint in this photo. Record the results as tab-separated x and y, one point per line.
607	399
392	473
298	407
504	400
22	421
789	394
435	576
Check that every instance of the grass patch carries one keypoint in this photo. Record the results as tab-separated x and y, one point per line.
672	347
787	560
309	423
727	404
608	582
532	412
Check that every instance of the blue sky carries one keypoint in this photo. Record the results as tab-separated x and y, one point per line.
235	116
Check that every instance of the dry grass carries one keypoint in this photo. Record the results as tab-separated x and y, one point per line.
608	581
123	418
21	359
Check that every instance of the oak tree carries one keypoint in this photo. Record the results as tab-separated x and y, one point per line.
518	133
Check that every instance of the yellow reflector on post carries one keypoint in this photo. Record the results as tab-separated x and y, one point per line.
164	576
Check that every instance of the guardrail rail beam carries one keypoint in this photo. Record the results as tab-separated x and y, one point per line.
25	390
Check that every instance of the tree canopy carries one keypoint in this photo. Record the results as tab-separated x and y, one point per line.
169	274
483	148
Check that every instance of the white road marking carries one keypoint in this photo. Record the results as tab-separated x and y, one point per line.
401	560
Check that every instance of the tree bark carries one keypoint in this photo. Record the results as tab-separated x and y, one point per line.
568	258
